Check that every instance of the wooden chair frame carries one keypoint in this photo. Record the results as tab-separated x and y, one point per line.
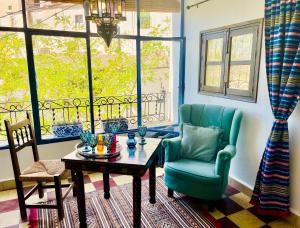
25	137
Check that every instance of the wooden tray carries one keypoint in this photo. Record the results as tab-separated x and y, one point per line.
79	147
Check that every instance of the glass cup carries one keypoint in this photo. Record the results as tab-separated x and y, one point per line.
93	142
142	130
115	127
84	136
108	140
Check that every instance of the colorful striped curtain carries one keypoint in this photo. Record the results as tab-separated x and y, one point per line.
282	31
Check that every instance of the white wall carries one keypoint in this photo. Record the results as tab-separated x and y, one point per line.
258	117
49	151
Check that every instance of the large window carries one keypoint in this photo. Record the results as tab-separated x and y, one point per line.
62	82
229	61
11	13
160	74
55	15
55	66
14	86
114	82
164	18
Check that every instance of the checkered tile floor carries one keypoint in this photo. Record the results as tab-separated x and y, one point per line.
232	211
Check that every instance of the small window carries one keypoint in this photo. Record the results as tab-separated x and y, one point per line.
229	61
145	20
9	7
78	19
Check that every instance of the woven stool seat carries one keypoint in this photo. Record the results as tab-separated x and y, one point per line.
43	170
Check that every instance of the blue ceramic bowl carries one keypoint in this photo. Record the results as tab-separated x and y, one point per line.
67	130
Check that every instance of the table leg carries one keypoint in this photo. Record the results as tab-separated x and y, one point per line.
137	201
152	182
106	185
80	199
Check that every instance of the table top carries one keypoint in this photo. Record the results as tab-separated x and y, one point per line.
140	157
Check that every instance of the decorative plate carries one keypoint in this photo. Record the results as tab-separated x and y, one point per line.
96	155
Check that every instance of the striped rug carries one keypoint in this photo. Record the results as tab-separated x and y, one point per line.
117	211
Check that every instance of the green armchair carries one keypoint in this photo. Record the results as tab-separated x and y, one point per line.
196	178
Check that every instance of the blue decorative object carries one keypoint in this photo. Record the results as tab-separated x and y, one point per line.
84	136
92	141
123	124
131	142
67	129
115	127
131	152
142	130
108	140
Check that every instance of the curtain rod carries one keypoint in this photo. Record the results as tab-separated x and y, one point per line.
197	4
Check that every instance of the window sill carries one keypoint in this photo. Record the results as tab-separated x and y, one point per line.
158	129
230	97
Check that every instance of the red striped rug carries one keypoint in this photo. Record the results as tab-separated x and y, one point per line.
117	211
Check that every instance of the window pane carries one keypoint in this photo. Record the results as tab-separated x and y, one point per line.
160	80
114	82
11	13
62	84
241	47
56	15
145	20
164	17
14	86
128	27
213	75
215	50
239	77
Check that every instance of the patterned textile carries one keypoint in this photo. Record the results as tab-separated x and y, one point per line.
282	18
117	211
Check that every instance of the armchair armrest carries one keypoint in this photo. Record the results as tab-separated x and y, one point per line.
172	148
223	159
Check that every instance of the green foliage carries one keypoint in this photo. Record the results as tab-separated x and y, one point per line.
61	65
114	70
13	68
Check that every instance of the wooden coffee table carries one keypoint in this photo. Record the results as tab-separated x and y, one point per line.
135	164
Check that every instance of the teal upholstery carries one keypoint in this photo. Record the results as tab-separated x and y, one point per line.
197	178
200	143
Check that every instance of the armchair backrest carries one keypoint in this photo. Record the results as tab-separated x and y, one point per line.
228	119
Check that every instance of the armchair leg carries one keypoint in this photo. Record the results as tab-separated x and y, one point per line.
40	190
211	206
59	200
170	192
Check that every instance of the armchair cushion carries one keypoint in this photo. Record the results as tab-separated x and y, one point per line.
193	170
200	143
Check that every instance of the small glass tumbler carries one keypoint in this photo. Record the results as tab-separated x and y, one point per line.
93	142
84	136
108	140
142	130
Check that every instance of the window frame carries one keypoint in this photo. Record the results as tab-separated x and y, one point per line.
227	32
87	35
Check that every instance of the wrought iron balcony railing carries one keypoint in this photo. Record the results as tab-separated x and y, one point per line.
154	110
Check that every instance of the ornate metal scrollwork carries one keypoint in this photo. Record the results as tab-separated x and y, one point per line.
77	110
